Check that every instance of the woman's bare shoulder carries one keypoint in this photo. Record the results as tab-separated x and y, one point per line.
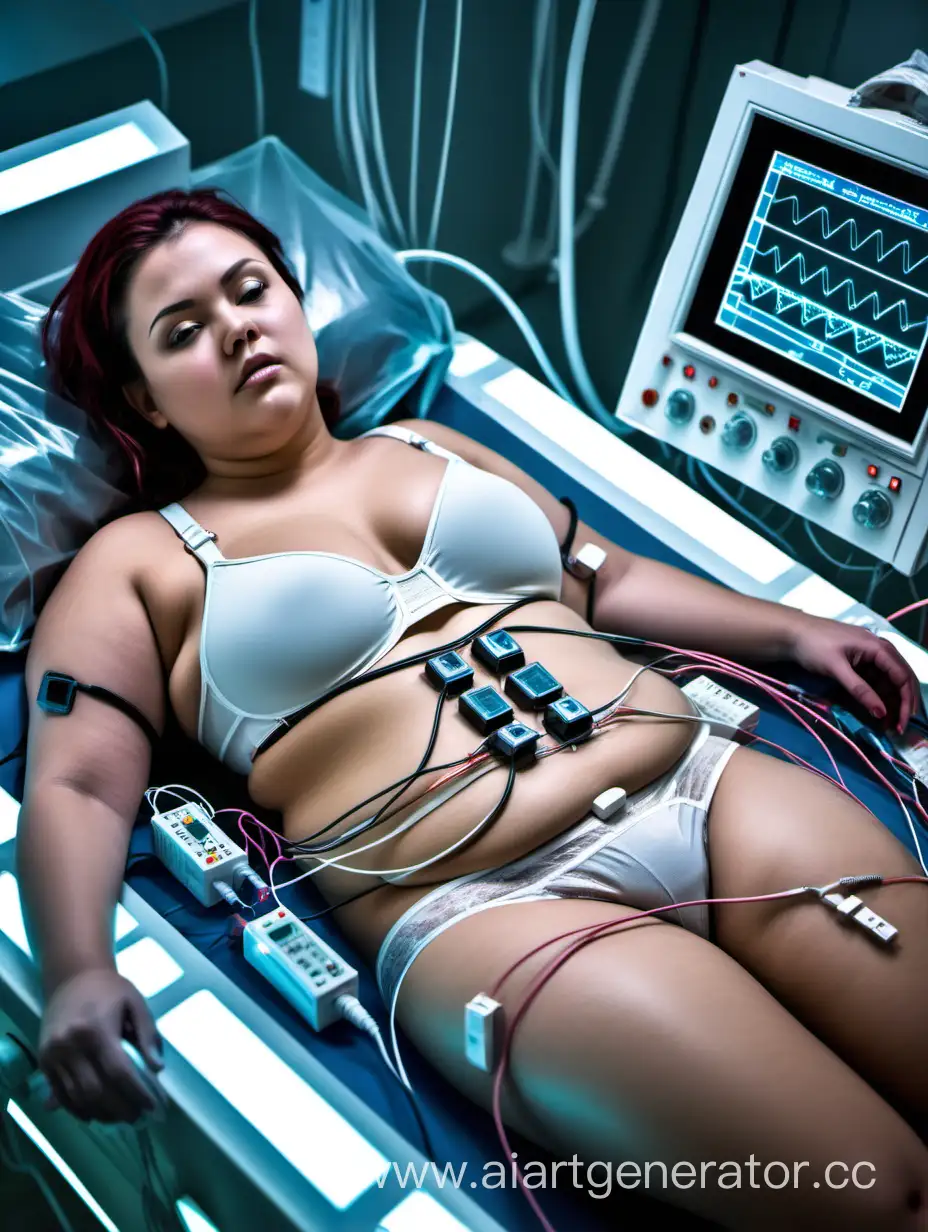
126	541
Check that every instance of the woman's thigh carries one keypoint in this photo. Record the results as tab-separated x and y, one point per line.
772	826
651	1044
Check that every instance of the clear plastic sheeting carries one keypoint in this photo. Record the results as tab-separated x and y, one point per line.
380	335
59	480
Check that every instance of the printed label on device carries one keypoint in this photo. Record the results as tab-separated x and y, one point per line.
716	702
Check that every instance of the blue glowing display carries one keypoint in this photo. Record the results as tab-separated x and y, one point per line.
833	275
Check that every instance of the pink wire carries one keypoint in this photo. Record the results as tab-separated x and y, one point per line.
592	933
903	611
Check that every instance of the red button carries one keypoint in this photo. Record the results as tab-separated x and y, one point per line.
649	397
666	361
794	422
732	399
713	381
769	408
210	859
689	372
281	913
873	471
895	483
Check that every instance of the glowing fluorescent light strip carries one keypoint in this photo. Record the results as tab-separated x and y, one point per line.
11	916
307	1131
419	1212
192	1217
818	598
470	356
32	1131
74	164
148	966
642	479
9	816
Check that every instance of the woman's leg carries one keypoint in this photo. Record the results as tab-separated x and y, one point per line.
651	1044
772	826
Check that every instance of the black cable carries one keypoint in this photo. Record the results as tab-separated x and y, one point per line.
17	752
287	724
364	826
317	915
420	1121
832	54
565	555
668	194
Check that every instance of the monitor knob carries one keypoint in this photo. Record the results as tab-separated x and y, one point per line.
782	456
873	509
680	406
740	432
825	480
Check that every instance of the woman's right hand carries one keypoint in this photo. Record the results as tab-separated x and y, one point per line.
80	1047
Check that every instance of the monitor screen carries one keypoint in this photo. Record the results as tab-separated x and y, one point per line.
818	275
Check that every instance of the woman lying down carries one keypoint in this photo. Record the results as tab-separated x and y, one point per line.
268	562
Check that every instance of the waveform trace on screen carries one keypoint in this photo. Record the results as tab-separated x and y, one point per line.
834	276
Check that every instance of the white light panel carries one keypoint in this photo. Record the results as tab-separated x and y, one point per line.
420	1212
470	356
9	816
307	1131
818	598
148	966
74	164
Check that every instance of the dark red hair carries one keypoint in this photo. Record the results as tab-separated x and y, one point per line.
85	342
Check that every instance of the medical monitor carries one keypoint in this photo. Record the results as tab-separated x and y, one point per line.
786	343
818	274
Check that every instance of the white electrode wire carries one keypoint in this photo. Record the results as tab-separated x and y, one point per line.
256	66
339	54
641	45
416	124
565	265
449	125
355	51
373	103
447	258
845	568
184	794
155	47
543	45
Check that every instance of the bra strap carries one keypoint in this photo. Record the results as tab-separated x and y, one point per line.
411	438
196	540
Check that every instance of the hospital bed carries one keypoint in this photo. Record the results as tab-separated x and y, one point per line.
271	1125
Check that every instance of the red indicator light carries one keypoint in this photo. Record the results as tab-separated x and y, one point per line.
713	381
794	422
689	372
732	399
873	471
895	483
281	913
649	397
666	361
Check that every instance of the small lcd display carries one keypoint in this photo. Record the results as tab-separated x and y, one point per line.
280	934
197	829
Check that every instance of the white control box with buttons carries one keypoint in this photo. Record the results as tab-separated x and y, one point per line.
198	852
721	705
309	973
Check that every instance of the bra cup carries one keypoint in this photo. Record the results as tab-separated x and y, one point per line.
492	539
307	627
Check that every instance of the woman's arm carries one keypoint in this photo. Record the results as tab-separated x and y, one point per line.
641	597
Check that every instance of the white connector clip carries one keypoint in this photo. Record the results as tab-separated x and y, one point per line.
483	1031
609	802
852	909
589	560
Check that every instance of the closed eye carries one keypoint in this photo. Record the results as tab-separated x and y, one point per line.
180	334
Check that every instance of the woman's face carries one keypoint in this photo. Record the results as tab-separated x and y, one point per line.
199	307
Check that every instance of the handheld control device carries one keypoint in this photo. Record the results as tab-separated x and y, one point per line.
202	856
309	973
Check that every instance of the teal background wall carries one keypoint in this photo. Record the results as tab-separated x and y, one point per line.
695	47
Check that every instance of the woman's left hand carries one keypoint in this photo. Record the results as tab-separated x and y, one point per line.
869	667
